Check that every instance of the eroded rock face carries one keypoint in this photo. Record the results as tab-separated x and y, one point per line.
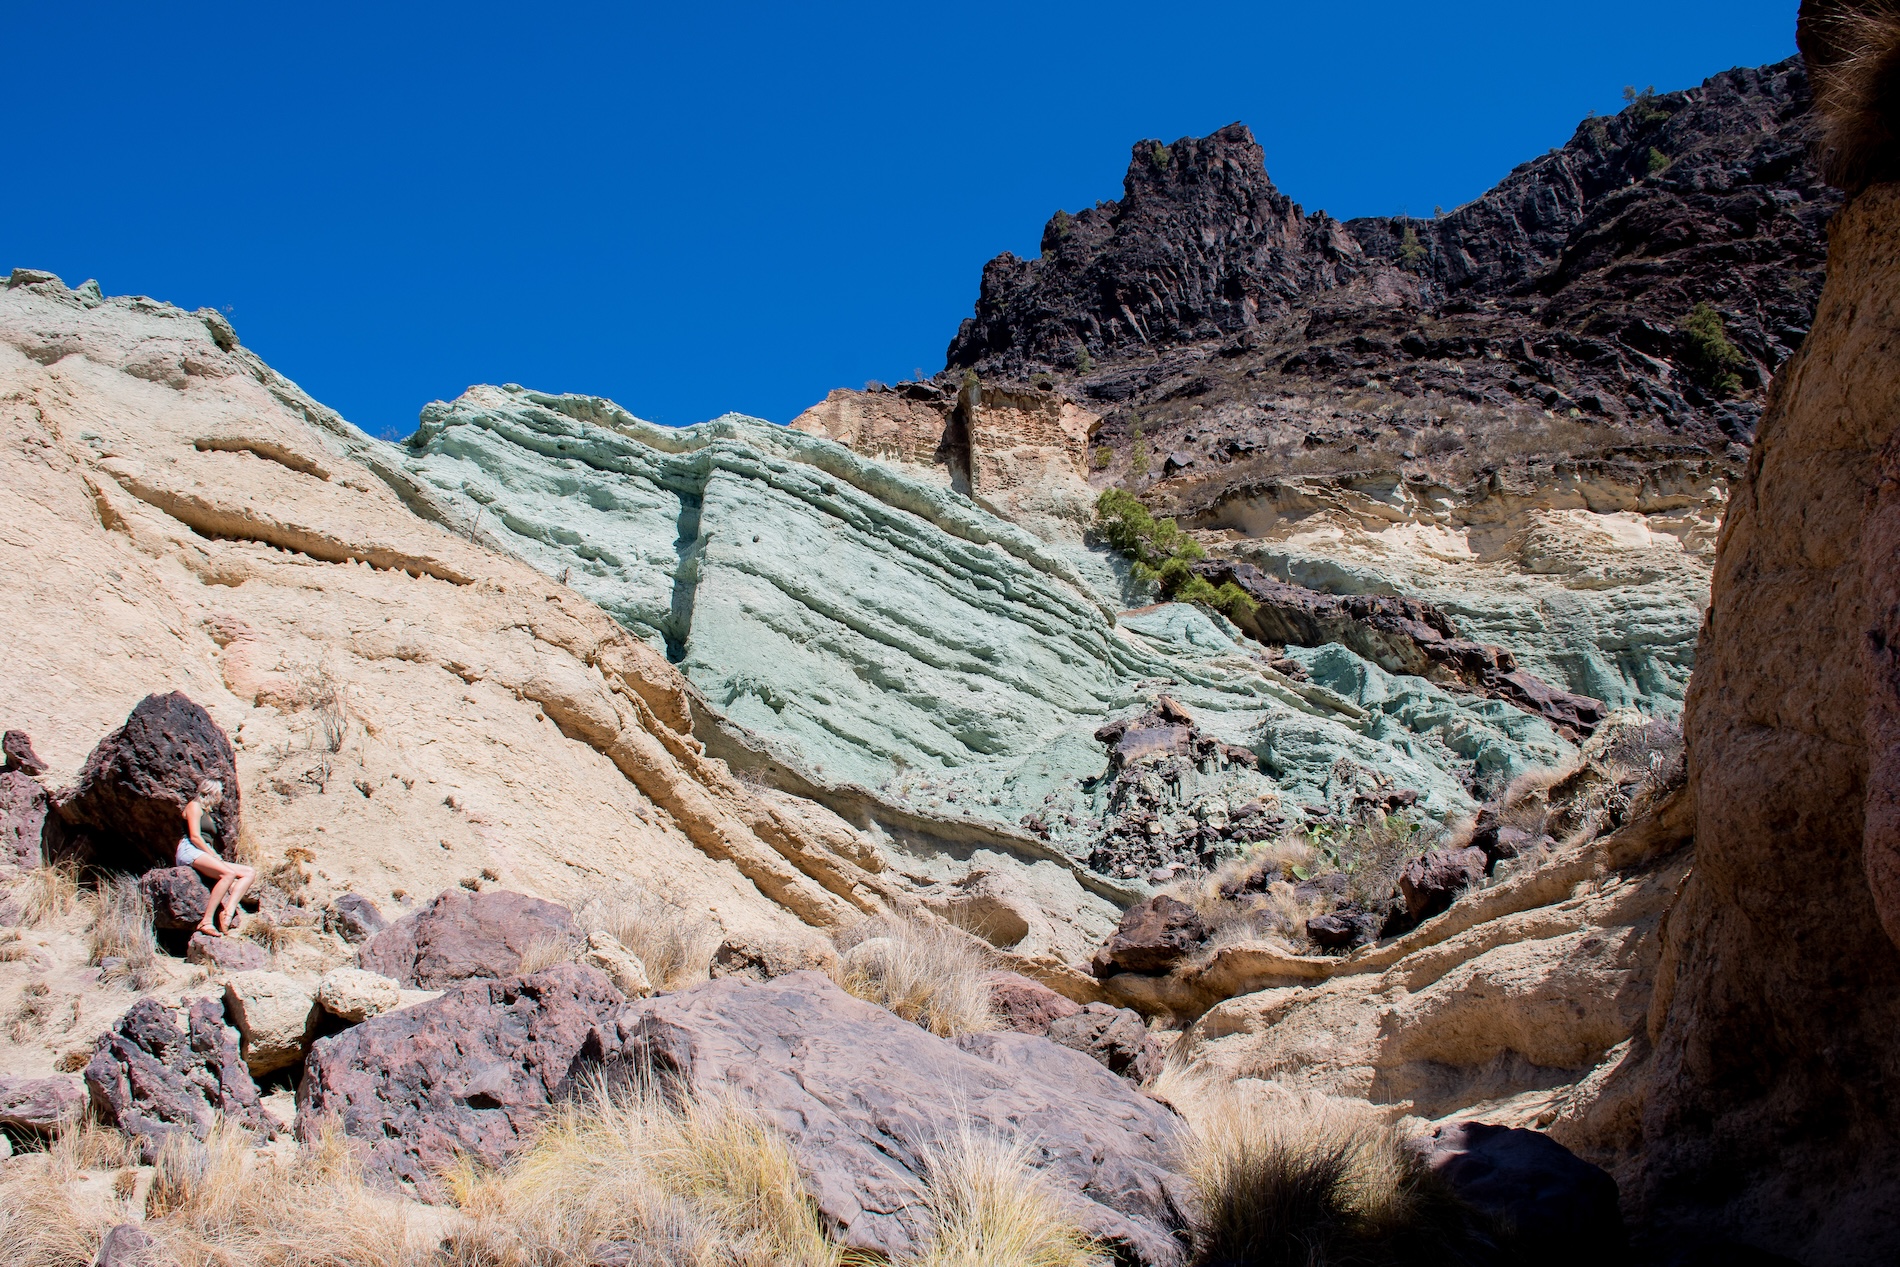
275	1015
23	809
863	1095
1772	1115
1115	1036
149	1077
460	936
132	792
1025	1006
17	755
354	918
468	1074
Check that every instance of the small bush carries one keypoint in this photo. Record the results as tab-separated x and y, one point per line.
1084	363
45	894
1103	457
320	689
122	931
1160	156
675	947
932	975
1138	452
1658	162
989	1208
545	952
1412	252
1712	358
1162	553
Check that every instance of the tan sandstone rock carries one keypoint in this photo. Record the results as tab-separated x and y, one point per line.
621	965
275	1016
354	995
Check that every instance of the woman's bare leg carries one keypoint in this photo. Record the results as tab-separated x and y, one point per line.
221	875
241	882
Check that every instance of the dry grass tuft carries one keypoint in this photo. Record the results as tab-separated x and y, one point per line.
931	974
40	1224
33	1012
44	894
707	1181
989	1207
122	933
1300	1180
545	952
1857	97
676	947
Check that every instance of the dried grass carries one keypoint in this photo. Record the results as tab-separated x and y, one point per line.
40	1224
931	974
546	951
44	894
122	933
989	1207
322	690
32	1013
706	1181
1857	96
675	946
1302	1180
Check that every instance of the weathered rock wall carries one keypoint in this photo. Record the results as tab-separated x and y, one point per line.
1773	1113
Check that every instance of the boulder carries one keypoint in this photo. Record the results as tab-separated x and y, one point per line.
621	965
39	1104
128	1245
354	995
1344	928
17	755
462	936
1559	1207
757	958
863	1097
467	1074
1115	1036
1153	936
1430	884
1024	1006
226	954
275	1015
178	896
354	918
150	1077
988	904
133	788
23	808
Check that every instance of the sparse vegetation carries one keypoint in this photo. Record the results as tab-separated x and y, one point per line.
1103	457
1084	363
1412	252
1712	358
675	947
1163	554
44	894
930	974
1138	452
989	1208
545	952
121	935
1658	162
31	1013
1160	156
321	690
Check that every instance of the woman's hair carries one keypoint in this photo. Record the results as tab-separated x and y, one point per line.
211	791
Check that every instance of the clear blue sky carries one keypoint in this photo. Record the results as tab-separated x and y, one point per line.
700	208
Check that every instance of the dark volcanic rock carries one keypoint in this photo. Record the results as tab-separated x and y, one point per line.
133	789
468	1074
23	808
16	754
354	918
178	896
1153	936
864	1096
39	1104
226	954
1115	1036
129	1245
1432	883
1560	1208
148	1077
461	936
1025	1006
1344	928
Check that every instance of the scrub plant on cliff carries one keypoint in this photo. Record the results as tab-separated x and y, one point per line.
1712	358
1163	554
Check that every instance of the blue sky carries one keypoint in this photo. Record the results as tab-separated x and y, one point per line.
700	208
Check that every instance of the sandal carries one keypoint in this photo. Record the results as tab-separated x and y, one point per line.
209	931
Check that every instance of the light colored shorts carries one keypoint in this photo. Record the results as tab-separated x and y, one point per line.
188	853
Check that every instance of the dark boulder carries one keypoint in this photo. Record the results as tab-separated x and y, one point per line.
462	936
178	896
1153	936
1559	1208
1432	883
864	1097
226	954
39	1104
128	1245
1344	928
1025	1006
17	755
1114	1036
131	794
149	1077
354	918
23	808
468	1074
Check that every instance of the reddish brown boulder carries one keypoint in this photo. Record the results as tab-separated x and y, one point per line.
132	791
23	809
1025	1006
1344	928
864	1096
178	896
149	1077
16	754
1432	883
1153	936
39	1104
468	1074
226	954
1560	1208
462	936
354	918
1114	1036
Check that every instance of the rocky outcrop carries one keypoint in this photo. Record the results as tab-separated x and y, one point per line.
354	918
1557	1207
465	1075
864	1096
353	995
132	792
1024	1006
1153	936
1430	884
150	1077
461	936
17	755
225	954
23	809
1772	1115
40	1105
1116	1037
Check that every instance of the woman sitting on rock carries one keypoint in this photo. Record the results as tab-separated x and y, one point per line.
198	849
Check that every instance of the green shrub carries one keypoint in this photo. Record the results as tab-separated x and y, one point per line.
1160	155
1658	161
1162	553
1411	250
1062	221
1712	358
1084	363
1103	456
1138	458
